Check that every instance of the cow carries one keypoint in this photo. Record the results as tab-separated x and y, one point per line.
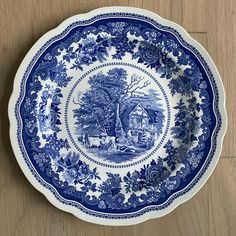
107	142
94	142
110	141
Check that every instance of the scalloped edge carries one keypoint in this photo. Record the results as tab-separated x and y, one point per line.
47	193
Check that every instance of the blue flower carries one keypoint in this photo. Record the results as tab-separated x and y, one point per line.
72	172
75	171
181	116
168	69
194	76
102	204
118	200
133	200
189	72
92	50
181	153
155	175
132	182
203	85
152	196
88	185
46	94
180	85
30	125
150	53
123	45
170	45
169	146
48	57
83	171
194	159
42	160
112	201
171	185
136	186
135	175
117	27
171	161
192	125
59	74
89	48
112	185
86	59
29	105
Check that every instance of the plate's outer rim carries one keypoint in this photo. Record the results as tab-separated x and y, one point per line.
48	194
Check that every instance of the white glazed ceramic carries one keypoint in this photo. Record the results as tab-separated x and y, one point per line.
117	116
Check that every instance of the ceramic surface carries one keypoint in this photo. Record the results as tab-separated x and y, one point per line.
117	116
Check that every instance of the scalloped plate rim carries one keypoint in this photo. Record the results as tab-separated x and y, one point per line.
47	193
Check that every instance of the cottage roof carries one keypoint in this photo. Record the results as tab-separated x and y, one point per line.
152	115
125	114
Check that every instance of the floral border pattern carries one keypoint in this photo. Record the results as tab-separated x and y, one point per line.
154	166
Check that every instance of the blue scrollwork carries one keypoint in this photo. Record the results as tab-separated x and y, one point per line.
41	113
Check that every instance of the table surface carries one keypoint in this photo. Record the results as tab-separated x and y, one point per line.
25	211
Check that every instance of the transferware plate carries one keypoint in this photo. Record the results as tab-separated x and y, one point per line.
117	116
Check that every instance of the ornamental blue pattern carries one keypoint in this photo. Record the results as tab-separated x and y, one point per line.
133	104
116	122
41	113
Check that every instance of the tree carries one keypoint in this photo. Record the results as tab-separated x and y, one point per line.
95	112
100	106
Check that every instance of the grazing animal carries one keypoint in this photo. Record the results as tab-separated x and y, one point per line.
94	142
108	142
111	140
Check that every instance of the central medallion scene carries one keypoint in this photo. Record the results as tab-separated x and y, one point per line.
118	114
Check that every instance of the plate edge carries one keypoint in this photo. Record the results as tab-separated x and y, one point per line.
148	215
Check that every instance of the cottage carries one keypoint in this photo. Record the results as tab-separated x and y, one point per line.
139	123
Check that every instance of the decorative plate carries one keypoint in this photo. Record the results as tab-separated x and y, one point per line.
117	116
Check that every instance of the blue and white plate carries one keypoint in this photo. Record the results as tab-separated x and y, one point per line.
117	116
